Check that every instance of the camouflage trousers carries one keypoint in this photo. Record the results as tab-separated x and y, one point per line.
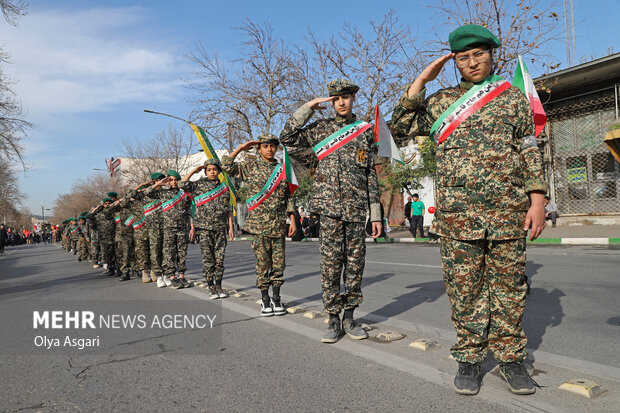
212	246
95	250
83	249
175	251
107	250
73	244
484	282
127	257
156	243
270	262
343	251
141	249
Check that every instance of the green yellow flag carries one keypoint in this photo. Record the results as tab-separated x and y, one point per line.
210	152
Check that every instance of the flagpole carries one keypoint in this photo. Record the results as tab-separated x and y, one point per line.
166	114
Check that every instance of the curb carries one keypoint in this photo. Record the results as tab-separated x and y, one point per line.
545	241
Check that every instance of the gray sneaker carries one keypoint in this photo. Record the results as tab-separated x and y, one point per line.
334	331
354	330
517	378
467	380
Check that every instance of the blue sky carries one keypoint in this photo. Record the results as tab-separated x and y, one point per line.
85	70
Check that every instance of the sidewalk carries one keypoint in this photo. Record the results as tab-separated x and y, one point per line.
566	235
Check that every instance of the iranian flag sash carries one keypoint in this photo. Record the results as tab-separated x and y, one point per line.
117	219
152	207
339	138
272	183
139	224
467	105
220	190
171	203
129	220
74	230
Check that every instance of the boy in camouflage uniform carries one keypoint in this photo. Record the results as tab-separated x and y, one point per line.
104	217
267	217
74	235
344	189
155	228
176	209
213	218
140	232
124	238
488	165
83	238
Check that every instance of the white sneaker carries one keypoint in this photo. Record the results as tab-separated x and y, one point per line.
160	282
265	308
167	281
105	266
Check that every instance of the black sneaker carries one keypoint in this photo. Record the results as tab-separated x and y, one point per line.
467	380
185	283
125	277
265	307
517	378
176	284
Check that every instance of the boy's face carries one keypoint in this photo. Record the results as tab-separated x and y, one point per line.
267	150
475	64
173	182
212	171
343	105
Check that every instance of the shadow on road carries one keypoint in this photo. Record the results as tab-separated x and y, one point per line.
426	292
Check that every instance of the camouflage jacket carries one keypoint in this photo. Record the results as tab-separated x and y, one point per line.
178	216
269	218
105	224
74	235
83	231
136	206
213	214
149	195
485	168
345	182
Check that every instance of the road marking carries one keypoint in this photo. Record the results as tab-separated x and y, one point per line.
490	392
402	263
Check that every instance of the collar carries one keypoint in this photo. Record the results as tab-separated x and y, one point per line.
347	120
273	162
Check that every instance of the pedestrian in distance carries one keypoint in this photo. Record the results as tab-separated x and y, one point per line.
417	216
489	192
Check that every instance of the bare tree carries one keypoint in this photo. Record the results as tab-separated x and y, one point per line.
248	96
10	195
168	150
522	26
13	127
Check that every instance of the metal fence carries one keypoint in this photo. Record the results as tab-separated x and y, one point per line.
586	176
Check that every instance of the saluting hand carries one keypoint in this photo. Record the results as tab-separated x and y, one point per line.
430	73
316	104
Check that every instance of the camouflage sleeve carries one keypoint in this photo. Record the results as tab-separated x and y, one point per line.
411	117
290	206
294	134
186	186
231	167
530	154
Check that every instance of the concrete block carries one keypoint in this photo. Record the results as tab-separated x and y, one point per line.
294	310
585	388
424	345
389	336
366	327
232	292
241	294
313	314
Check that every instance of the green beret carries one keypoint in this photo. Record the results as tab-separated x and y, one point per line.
268	138
112	194
174	173
82	217
341	87
157	175
213	161
106	199
471	35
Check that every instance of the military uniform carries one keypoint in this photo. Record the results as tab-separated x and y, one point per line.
485	169
211	220
140	235
74	236
267	222
176	227
155	227
106	230
344	189
124	237
83	240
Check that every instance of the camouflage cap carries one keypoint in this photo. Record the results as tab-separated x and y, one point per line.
157	175
268	138
339	87
470	35
213	161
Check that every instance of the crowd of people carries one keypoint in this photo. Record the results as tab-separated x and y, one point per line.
489	192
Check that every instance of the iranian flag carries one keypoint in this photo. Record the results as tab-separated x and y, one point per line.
523	80
384	139
289	173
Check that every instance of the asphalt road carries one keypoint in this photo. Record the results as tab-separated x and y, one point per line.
278	364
